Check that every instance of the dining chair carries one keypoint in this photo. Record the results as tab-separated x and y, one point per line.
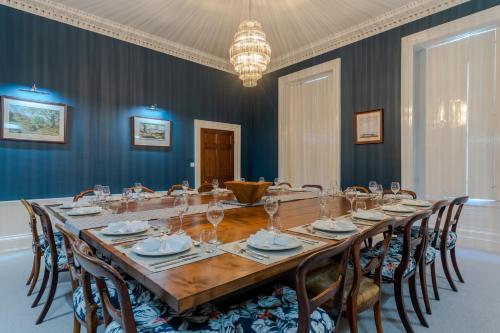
144	189
401	262
285	184
55	261
359	188
176	187
362	291
156	316
446	239
205	187
403	193
83	194
314	187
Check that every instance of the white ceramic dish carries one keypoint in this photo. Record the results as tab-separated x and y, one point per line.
416	203
292	244
116	233
371	215
334	226
84	211
156	253
398	209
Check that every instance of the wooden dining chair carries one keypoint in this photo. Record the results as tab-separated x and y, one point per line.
359	188
446	239
408	193
285	184
314	187
205	187
55	262
83	194
362	291
144	189
176	187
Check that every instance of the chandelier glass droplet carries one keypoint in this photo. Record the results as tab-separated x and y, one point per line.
250	53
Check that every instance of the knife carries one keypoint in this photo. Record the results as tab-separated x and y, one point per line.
173	259
173	262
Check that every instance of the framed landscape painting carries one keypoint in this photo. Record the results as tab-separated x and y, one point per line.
32	121
151	132
369	126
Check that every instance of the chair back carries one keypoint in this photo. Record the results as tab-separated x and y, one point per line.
176	187
438	209
33	226
361	189
384	228
144	189
99	270
74	268
82	194
48	233
205	187
316	187
335	291
452	217
416	246
408	192
285	184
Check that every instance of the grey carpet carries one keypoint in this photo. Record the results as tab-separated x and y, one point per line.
475	308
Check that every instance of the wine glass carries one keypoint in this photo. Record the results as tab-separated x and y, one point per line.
215	184
323	203
125	197
97	192
106	192
395	187
262	179
351	194
276	181
380	193
215	214
360	205
242	179
185	186
271	208
372	185
182	206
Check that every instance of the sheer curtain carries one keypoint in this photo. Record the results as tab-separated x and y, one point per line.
456	121
309	130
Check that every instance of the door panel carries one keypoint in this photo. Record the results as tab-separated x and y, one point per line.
217	155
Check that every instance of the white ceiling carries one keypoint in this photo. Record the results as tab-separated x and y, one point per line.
191	29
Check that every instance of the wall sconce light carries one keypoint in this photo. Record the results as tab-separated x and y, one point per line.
34	90
153	107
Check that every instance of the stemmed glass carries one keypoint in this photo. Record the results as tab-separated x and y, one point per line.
215	215
395	187
372	185
271	208
262	179
181	204
106	192
323	203
185	186
380	193
276	181
351	194
97	192
125	197
138	190
215	185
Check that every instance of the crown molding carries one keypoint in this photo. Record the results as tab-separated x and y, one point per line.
80	19
392	19
77	18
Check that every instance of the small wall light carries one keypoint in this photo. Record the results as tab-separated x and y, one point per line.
34	90
153	107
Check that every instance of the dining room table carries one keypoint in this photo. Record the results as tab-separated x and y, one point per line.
192	283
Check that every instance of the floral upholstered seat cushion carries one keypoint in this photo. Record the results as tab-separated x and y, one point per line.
58	238
137	293
276	312
392	258
451	240
62	260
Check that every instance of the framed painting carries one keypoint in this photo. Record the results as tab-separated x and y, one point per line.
369	126
28	120
150	132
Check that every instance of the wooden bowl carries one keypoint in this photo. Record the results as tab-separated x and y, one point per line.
248	192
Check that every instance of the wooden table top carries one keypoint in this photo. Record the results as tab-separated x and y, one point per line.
193	284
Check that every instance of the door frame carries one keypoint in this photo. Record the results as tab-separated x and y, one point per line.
198	125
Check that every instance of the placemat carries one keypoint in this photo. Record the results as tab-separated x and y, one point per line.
151	232
307	229
239	248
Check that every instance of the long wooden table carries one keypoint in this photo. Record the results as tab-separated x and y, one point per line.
193	284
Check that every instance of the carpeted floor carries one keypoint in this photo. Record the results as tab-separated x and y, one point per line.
475	308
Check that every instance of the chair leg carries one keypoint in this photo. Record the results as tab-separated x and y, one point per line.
352	316
412	282
444	261
434	280
45	279
423	285
398	294
50	297
32	271
377	312
36	273
455	265
76	325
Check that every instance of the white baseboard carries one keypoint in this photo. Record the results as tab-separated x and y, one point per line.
13	243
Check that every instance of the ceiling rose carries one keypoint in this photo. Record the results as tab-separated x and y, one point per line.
250	53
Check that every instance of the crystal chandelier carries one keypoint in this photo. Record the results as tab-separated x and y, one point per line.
250	53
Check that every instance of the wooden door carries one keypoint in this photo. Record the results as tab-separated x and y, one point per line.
217	155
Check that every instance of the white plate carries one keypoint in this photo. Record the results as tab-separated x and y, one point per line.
333	226
398	209
109	233
416	203
71	205
84	211
297	189
293	244
370	215
140	251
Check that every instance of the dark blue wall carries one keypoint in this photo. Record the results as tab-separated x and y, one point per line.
371	78
105	81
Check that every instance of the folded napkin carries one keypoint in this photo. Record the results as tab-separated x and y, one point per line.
335	225
127	226
166	244
415	202
266	238
369	215
111	198
75	204
399	196
85	210
399	208
299	189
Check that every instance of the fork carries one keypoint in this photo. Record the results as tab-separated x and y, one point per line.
250	254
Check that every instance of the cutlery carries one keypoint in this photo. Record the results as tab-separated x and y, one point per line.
257	253
173	262
315	232
139	237
258	257
173	259
307	241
